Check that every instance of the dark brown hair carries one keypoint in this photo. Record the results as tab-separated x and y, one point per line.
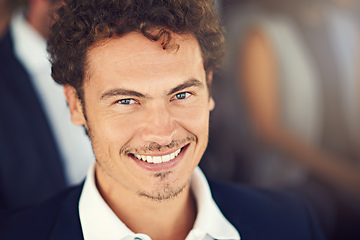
80	23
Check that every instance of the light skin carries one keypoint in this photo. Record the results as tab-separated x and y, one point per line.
38	15
5	15
141	100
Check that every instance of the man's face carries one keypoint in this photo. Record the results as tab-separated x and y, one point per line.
147	113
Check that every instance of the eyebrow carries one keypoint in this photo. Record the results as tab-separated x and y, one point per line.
121	92
126	92
187	84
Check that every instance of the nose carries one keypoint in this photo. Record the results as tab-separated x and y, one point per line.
159	124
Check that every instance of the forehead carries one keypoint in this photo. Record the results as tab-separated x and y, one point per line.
137	54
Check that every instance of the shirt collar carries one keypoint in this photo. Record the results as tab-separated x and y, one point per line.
29	45
209	219
102	223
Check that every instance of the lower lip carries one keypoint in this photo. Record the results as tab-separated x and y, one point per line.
158	167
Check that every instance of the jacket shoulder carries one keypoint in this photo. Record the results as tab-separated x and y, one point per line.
265	214
39	221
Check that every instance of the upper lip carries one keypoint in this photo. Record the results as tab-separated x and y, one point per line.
156	153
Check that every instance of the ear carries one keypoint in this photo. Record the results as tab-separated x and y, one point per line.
211	100
75	105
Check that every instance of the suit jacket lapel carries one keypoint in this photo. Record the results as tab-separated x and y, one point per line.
68	224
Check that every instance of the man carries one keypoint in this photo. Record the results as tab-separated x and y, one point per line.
137	74
41	152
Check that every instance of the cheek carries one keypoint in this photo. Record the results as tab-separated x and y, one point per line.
112	131
194	119
119	130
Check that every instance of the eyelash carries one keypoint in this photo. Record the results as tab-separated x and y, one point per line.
178	96
185	95
127	100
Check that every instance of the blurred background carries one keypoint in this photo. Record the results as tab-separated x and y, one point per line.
287	104
41	151
286	117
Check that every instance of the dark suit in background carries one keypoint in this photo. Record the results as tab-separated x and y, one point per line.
30	165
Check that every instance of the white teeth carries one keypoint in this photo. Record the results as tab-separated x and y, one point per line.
165	158
158	159
148	158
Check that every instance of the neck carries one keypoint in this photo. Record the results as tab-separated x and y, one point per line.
165	219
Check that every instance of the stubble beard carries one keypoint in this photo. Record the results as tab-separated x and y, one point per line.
166	193
165	190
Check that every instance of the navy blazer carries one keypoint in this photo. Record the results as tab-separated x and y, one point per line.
256	214
31	168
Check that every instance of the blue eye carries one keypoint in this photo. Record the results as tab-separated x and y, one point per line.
126	101
182	95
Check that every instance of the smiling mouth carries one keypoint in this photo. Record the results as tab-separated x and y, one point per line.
158	159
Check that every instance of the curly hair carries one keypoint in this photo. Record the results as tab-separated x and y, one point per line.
78	24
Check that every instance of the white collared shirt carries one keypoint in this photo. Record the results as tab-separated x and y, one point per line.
98	221
73	144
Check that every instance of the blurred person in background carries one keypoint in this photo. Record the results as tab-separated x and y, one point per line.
6	8
41	152
296	67
4	16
